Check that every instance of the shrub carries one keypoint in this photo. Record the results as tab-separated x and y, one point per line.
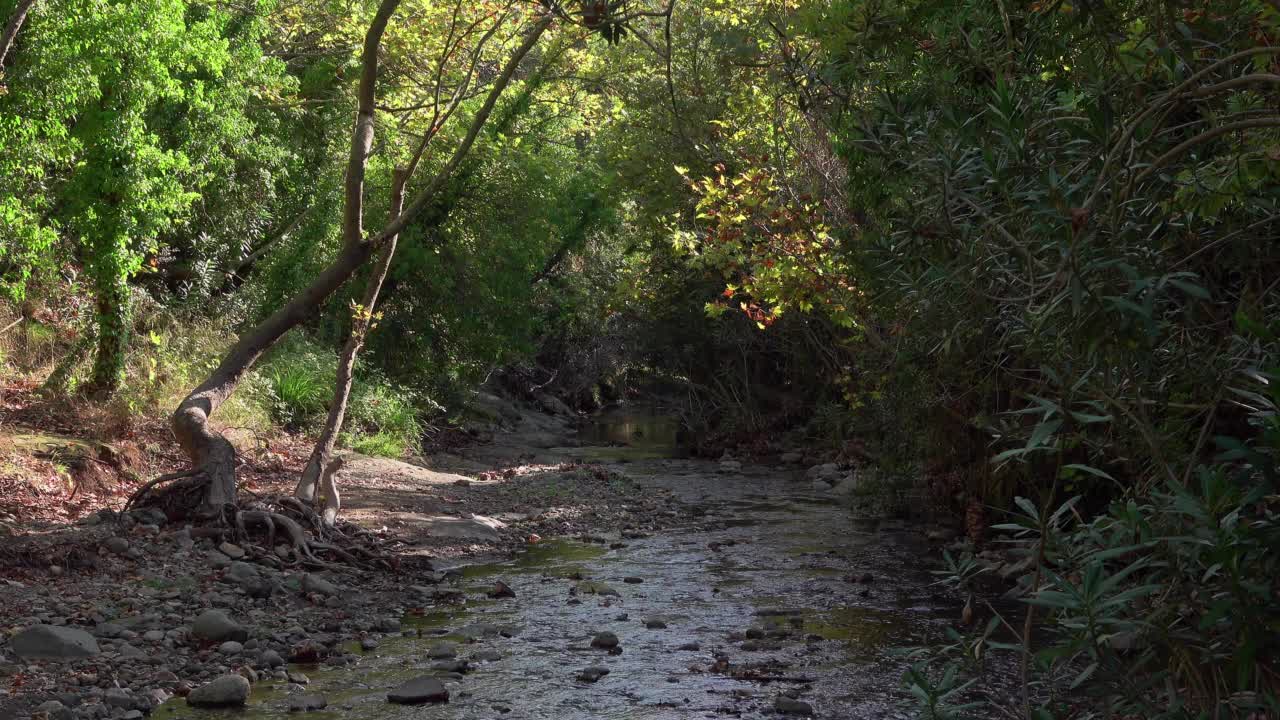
1165	606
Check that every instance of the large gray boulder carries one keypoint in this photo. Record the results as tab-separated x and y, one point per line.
215	626
419	690
52	642
225	691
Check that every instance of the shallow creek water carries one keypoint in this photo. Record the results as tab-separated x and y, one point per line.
766	555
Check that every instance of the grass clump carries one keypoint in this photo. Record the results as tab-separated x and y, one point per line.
383	419
299	383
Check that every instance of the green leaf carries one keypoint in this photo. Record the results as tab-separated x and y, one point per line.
1090	470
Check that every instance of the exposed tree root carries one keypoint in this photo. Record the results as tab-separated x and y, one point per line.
303	531
145	489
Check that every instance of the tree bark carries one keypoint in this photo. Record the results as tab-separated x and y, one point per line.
11	29
114	321
360	325
212	454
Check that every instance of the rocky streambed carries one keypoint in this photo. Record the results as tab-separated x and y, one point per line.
703	591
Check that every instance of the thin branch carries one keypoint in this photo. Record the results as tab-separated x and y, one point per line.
1173	94
1204	137
424	197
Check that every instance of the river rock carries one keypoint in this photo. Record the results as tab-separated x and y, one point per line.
118	698
593	673
451	666
225	691
501	590
241	573
791	706
307	702
319	586
475	527
848	485
826	471
730	466
443	651
129	652
591	587
50	642
231	647
215	626
604	640
425	689
109	630
53	710
655	623
116	545
231	550
790	458
271	659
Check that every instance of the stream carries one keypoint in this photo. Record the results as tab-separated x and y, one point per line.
773	589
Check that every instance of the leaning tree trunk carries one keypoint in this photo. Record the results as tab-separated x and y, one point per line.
211	454
12	27
360	326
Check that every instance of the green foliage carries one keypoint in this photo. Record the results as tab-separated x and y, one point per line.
116	117
383	419
1164	608
300	383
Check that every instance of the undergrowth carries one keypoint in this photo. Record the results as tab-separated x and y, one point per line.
290	390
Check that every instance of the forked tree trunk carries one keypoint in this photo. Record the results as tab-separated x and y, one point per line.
212	455
360	325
